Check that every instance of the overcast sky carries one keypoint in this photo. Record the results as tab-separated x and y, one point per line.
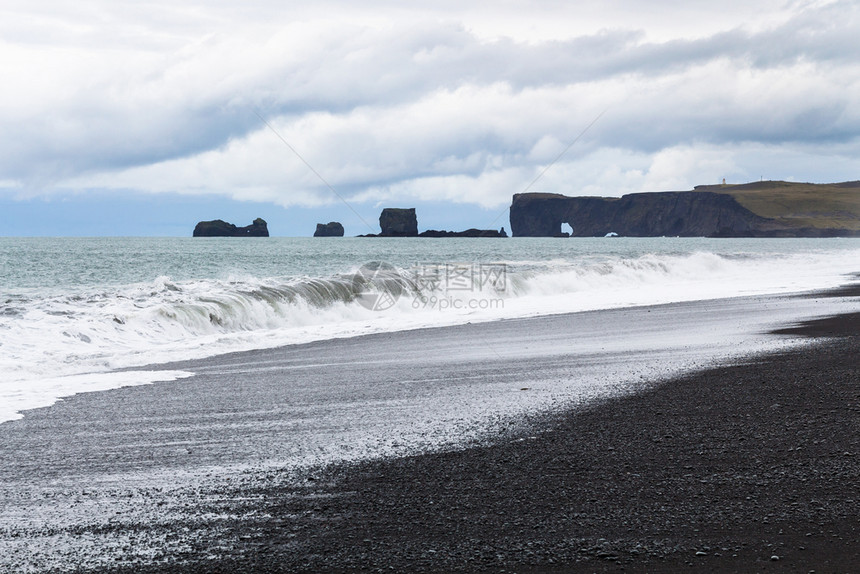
395	105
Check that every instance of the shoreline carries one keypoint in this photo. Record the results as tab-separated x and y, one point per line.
732	469
169	370
66	328
197	486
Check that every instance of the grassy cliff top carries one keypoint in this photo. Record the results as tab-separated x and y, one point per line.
821	205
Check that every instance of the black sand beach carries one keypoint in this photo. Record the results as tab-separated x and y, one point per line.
747	467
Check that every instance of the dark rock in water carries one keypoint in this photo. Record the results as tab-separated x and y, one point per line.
468	233
219	228
396	222
688	214
330	229
700	213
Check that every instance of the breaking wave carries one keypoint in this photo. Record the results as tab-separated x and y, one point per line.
55	334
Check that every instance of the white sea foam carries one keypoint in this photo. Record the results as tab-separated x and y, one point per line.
53	341
45	392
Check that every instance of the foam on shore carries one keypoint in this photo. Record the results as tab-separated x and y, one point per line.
51	337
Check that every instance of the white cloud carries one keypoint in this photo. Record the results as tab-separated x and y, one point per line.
447	101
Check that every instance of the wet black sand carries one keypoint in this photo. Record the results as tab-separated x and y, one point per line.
746	468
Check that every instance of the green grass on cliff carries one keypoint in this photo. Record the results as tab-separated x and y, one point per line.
823	205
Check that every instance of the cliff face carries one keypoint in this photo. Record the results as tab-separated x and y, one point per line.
538	214
682	213
834	207
219	228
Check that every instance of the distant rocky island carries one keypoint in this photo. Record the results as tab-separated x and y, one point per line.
759	209
397	222
472	232
403	222
330	229
219	228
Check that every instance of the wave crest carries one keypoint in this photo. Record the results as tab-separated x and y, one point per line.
166	320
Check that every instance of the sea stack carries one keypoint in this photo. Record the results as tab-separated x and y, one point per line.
468	233
397	222
330	229
220	228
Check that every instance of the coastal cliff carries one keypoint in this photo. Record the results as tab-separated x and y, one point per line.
636	215
751	210
219	228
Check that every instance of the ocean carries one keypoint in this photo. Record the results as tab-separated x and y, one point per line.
90	314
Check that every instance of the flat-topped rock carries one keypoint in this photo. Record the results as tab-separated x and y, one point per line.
468	233
220	228
330	229
398	222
